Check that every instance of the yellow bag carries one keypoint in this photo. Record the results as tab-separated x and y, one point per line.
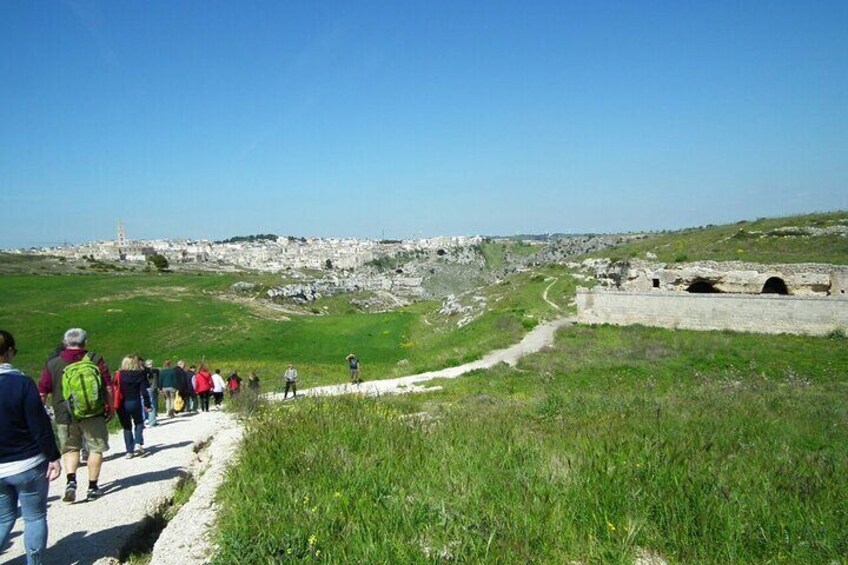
179	403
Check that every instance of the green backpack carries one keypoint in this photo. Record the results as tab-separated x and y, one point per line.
82	386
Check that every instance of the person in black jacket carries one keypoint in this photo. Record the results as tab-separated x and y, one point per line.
132	382
29	458
183	383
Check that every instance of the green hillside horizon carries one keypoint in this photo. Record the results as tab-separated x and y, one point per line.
806	238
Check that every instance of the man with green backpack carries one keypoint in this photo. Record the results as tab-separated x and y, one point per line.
81	389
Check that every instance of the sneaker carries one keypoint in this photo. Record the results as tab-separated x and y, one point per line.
94	494
70	492
139	451
129	456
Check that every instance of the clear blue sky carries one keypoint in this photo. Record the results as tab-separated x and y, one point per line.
210	119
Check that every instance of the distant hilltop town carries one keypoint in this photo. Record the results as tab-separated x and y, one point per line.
267	253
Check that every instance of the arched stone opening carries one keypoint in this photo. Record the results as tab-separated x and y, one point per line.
775	285
702	287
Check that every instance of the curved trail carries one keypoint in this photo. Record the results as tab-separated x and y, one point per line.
545	295
540	337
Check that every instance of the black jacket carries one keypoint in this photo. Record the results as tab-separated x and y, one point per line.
134	385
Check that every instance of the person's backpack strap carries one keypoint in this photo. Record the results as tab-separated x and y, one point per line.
96	358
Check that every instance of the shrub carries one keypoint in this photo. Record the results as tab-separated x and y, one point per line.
838	334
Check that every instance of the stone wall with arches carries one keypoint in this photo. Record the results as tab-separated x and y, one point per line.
760	313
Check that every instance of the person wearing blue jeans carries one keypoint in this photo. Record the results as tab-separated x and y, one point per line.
29	488
131	380
29	458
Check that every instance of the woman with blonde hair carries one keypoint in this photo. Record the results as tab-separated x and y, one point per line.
130	392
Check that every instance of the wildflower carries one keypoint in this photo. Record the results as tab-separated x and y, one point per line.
611	526
337	494
317	553
313	539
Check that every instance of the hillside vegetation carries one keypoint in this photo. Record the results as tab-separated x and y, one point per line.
196	317
619	443
812	238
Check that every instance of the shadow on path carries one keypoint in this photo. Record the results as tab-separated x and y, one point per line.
83	547
136	480
148	450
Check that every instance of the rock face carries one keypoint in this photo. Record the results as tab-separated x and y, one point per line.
437	272
352	283
563	249
803	279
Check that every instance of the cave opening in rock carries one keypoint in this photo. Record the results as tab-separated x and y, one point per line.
775	285
702	287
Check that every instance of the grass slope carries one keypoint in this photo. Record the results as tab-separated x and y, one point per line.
700	447
759	241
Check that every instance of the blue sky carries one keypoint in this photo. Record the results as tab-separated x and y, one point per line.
399	119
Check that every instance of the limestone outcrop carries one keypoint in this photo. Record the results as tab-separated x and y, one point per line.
734	277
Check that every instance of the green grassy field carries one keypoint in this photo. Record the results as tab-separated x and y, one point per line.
759	241
192	317
495	252
699	447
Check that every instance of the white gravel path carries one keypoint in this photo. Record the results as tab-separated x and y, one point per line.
95	531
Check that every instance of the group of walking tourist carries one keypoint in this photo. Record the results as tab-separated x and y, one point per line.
64	418
63	421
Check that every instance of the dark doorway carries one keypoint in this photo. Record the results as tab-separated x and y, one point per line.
656	283
775	285
702	287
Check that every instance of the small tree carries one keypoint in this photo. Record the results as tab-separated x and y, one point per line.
159	261
328	264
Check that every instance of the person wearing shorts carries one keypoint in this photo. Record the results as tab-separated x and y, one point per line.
69	430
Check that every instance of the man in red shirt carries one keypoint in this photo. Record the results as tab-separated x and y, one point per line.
71	430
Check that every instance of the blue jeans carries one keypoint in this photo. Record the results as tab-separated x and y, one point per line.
154	406
30	488
132	421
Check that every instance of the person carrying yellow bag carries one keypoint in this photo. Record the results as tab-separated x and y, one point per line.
179	403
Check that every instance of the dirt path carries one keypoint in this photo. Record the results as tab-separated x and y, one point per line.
545	295
541	336
97	531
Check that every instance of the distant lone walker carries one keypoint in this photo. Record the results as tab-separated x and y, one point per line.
291	381
353	364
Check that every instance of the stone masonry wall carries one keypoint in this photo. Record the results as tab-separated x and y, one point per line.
750	313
